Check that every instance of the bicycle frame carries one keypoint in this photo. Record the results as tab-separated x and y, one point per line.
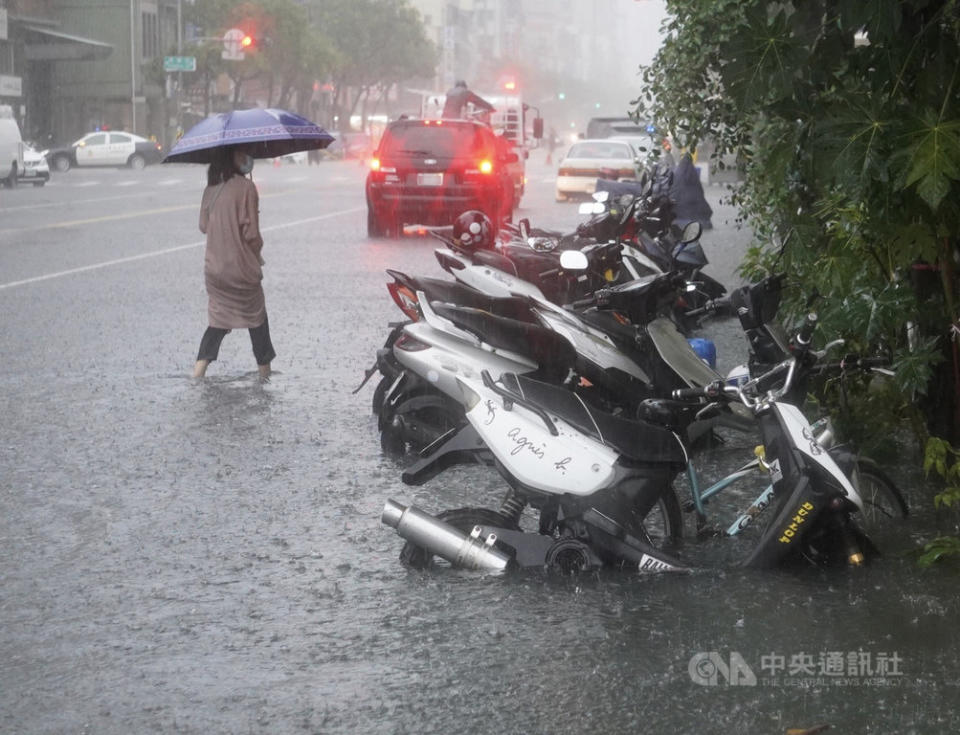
824	436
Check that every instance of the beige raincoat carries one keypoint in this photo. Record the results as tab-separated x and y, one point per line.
230	218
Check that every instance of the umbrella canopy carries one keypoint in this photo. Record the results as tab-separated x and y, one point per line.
264	133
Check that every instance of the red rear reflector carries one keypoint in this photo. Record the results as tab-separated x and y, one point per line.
405	299
409	344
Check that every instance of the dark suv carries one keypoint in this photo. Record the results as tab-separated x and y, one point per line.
430	171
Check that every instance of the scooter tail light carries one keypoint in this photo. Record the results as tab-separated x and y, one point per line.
410	344
406	299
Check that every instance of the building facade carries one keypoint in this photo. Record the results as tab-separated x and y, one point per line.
70	66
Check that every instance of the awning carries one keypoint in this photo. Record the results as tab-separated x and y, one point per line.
43	44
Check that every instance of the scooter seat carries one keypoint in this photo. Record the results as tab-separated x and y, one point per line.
552	352
637	440
458	294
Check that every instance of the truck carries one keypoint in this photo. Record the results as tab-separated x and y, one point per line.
516	123
11	147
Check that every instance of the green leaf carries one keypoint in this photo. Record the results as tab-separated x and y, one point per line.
934	158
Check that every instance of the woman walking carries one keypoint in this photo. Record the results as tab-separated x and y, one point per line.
229	217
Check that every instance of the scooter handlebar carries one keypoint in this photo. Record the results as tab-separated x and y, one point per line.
712	390
711	306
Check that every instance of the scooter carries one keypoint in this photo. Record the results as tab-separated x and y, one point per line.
595	480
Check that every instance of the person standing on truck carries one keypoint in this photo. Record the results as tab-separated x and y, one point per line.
458	97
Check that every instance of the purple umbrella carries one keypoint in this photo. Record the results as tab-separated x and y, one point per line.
264	133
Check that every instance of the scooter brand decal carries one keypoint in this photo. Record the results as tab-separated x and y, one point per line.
522	443
815	448
649	564
799	518
776	474
491	413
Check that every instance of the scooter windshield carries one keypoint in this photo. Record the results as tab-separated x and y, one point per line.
679	355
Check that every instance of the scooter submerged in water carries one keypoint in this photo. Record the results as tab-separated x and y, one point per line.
597	480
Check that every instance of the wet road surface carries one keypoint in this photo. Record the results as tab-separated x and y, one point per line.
206	556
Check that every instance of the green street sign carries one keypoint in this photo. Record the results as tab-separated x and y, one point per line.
179	63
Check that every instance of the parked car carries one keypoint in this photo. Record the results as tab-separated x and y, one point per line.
588	160
105	148
430	171
35	169
649	146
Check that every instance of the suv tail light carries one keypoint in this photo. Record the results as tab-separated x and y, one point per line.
484	168
406	299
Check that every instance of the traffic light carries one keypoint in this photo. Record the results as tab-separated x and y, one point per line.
247	42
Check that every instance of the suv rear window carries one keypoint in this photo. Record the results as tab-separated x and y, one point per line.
441	141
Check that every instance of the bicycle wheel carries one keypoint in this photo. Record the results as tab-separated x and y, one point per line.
664	523
883	503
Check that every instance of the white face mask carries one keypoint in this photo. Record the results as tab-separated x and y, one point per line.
246	166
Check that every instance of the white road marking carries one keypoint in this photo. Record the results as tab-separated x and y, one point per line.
86	183
167	251
127	183
45	205
169	182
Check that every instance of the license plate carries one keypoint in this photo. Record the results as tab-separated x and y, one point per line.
430	179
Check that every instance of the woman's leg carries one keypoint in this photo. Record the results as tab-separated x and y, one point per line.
262	347
209	349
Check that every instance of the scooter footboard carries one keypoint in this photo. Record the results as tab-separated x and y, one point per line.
796	515
608	536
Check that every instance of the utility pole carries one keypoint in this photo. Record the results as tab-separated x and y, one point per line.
133	66
180	73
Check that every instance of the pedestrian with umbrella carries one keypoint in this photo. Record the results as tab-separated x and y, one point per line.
230	218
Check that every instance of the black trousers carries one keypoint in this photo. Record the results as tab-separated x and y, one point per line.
259	337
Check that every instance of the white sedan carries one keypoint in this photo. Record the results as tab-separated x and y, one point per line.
588	160
35	169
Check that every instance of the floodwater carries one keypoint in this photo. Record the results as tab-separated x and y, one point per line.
207	557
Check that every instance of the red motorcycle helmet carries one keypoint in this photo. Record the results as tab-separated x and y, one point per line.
473	229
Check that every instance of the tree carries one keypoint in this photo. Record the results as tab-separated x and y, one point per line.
379	43
288	55
846	116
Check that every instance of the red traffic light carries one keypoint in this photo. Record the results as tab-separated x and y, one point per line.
246	42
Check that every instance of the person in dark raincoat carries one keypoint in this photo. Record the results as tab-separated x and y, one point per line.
458	97
687	194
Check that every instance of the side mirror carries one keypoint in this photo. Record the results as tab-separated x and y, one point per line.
538	127
573	260
691	232
524	226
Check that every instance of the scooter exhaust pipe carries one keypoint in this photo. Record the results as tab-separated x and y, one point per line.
464	550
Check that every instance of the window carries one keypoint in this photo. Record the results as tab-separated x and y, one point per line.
98	139
151	35
440	141
116	138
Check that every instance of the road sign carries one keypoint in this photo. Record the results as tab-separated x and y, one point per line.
179	63
232	45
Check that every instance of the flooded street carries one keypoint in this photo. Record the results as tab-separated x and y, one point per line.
207	556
